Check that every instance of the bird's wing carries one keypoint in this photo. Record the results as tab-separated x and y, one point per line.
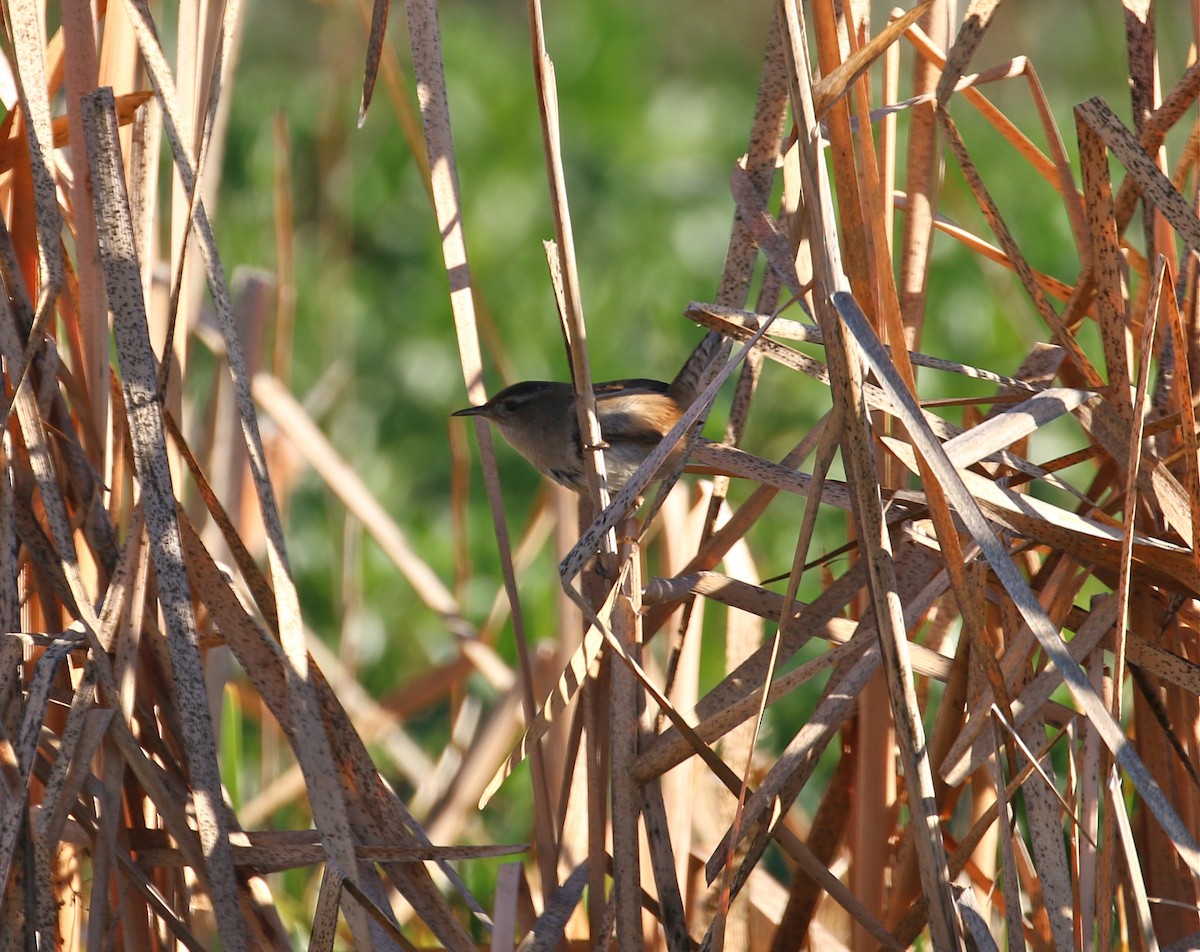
633	385
636	416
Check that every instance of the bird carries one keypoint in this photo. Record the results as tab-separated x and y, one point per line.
538	418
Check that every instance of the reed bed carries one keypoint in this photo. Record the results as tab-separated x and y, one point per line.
1002	656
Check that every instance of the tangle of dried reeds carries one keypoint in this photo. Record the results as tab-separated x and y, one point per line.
1009	688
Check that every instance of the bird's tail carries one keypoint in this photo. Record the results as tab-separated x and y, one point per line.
699	368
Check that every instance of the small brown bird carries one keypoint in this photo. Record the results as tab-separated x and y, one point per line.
539	419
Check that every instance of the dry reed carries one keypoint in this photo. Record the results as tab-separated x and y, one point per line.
993	781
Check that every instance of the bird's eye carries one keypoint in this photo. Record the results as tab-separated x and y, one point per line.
508	406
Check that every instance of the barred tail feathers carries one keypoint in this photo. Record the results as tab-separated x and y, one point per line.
697	370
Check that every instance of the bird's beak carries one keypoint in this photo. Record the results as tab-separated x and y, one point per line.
481	410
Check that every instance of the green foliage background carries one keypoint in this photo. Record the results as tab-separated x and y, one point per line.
656	100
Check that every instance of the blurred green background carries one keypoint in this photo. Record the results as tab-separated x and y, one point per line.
655	103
